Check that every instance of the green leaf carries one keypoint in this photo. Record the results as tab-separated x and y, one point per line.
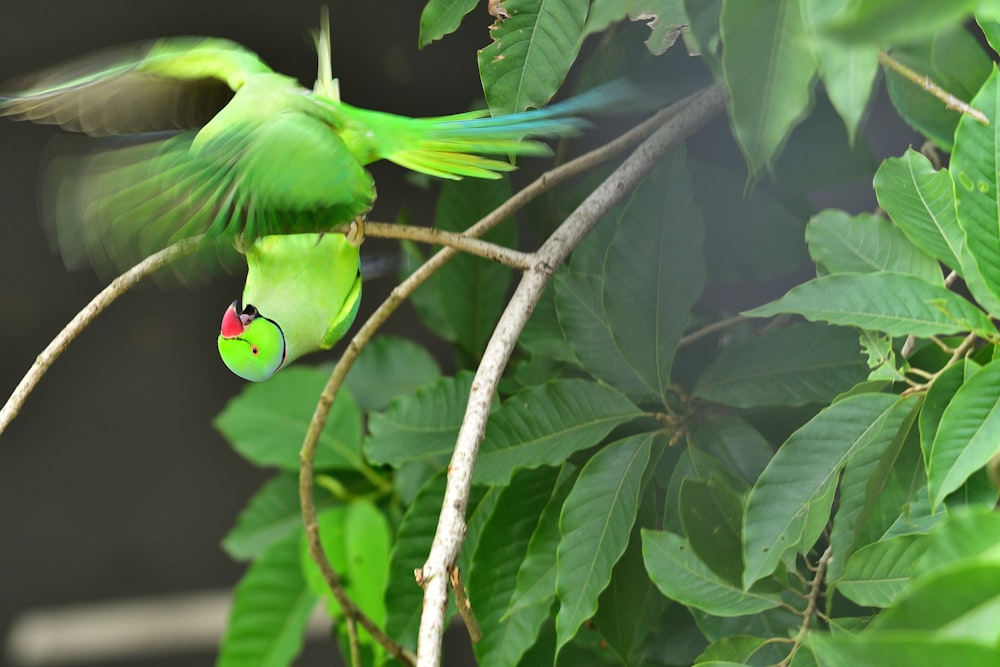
681	576
710	512
769	67
462	301
627	336
423	425
543	425
531	52
913	649
842	243
968	435
885	22
666	20
803	473
631	607
503	543
804	363
954	60
732	441
921	202
268	421
875	574
596	520
387	367
895	303
940	394
442	17
974	165
403	598
739	649
272	514
866	477
271	606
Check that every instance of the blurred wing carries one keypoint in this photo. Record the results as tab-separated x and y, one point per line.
169	84
290	174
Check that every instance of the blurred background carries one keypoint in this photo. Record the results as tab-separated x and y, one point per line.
113	483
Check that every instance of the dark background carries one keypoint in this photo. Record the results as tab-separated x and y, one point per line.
113	483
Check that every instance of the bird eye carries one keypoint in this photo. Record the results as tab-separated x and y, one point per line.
254	350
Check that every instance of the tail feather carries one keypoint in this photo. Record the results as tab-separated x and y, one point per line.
453	146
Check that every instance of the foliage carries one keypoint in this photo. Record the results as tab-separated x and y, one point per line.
651	489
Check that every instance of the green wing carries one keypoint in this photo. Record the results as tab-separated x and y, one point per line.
169	84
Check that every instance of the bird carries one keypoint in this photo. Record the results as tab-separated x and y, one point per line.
205	139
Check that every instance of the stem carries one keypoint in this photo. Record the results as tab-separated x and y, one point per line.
924	81
104	298
451	524
709	329
815	586
461	242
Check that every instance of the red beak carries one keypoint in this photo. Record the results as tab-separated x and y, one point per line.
232	323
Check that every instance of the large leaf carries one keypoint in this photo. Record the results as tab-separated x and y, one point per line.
968	435
913	649
733	442
710	512
875	574
596	520
894	303
621	334
423	425
532	50
805	363
462	301
387	367
502	546
885	22
769	67
677	571
802	475
267	423
966	534
442	17
272	513
842	243
543	425
974	166
271	606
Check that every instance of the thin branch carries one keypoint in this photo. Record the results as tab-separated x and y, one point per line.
461	242
451	527
352	641
104	298
812	605
950	101
464	606
709	329
398	295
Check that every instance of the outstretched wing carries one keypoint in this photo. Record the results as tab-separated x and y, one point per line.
168	84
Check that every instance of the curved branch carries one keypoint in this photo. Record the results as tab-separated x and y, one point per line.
398	295
451	527
104	298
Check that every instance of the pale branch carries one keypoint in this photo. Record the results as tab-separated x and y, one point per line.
515	259
104	298
925	82
451	528
398	296
712	328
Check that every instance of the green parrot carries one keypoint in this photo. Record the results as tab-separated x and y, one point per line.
227	148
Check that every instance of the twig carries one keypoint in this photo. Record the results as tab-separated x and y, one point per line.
950	101
709	329
451	527
392	302
104	298
464	606
815	586
461	242
352	641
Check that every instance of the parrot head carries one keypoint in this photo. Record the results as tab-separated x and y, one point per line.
251	345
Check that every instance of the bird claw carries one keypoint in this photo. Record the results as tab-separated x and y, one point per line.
356	234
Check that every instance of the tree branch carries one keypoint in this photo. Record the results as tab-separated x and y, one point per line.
451	527
104	298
